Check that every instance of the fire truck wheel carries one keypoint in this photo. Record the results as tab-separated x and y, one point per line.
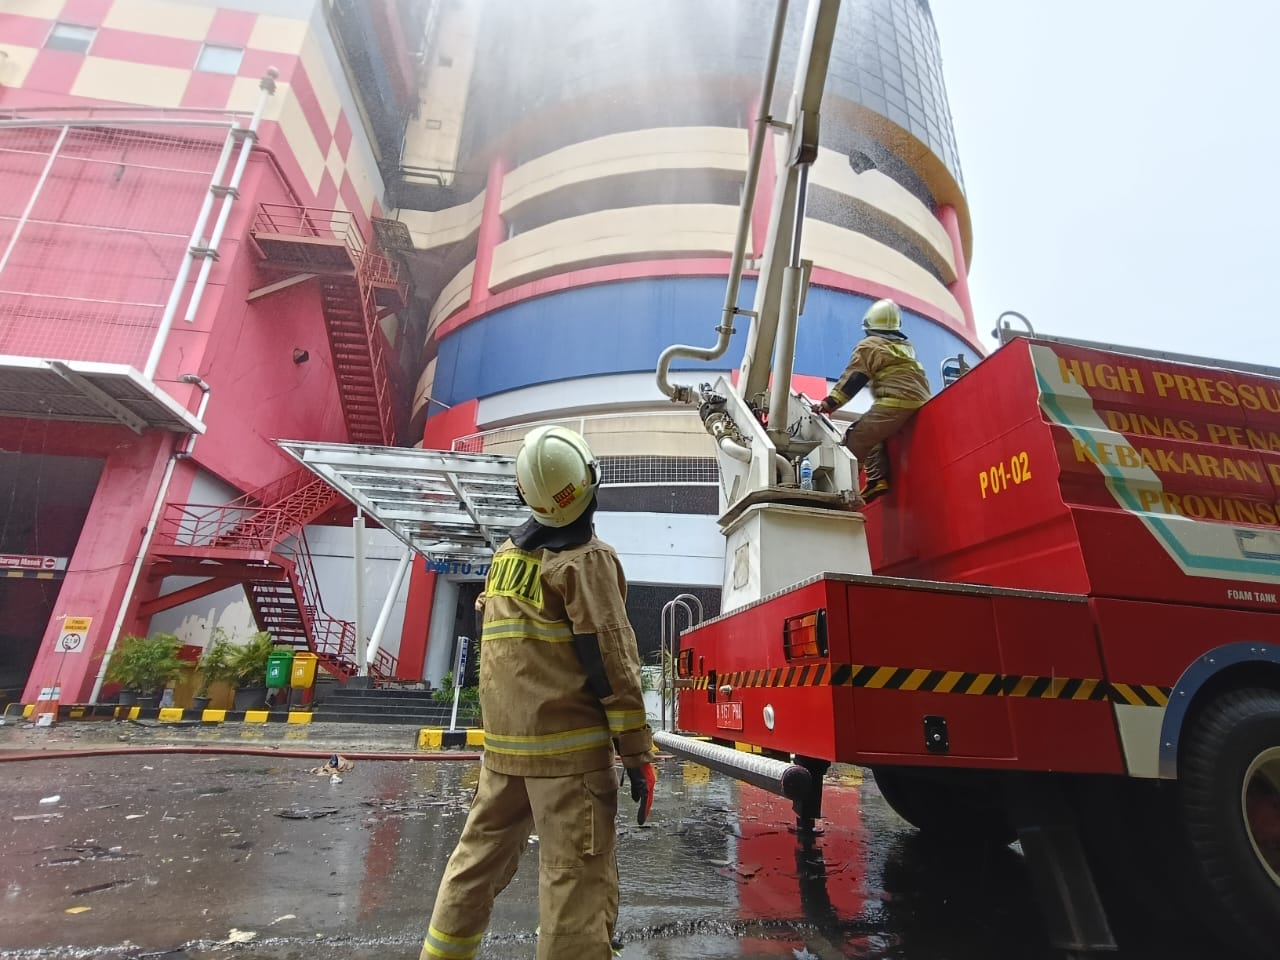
1229	801
953	806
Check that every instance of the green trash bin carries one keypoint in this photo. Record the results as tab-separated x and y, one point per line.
279	666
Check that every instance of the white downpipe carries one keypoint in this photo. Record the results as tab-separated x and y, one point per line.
357	532
35	195
268	87
145	546
384	615
180	282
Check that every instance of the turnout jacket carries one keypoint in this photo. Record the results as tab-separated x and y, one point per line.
559	665
887	362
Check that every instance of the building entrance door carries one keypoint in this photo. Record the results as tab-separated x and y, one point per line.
43	504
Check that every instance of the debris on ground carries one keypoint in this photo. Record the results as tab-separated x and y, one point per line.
54	799
99	887
417	806
240	936
83	853
336	764
306	813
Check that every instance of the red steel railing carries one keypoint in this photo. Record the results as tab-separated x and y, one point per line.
289	220
236	526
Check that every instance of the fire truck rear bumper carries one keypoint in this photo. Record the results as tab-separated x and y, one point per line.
788	780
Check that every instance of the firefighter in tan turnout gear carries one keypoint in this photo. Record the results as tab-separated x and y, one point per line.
885	360
559	687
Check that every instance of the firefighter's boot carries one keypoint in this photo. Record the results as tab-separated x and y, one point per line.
876	468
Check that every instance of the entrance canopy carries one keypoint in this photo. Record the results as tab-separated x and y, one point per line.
87	392
446	506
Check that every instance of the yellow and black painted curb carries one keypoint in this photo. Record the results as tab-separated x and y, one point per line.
435	738
110	711
920	679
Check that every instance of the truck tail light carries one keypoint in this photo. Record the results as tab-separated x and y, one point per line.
805	636
684	663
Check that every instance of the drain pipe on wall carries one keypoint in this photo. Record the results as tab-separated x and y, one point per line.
248	137
145	546
184	271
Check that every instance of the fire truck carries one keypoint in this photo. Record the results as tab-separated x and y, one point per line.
1060	627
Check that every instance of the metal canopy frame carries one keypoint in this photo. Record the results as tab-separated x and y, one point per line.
446	506
87	392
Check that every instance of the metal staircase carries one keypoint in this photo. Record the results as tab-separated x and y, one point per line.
264	550
258	540
358	288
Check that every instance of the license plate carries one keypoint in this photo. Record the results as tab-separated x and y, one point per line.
729	715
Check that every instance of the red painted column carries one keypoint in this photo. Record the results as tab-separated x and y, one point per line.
765	184
492	229
950	221
417	621
99	570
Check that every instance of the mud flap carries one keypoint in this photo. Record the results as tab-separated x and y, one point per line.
1074	916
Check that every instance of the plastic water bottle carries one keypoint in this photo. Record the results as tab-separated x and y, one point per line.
806	474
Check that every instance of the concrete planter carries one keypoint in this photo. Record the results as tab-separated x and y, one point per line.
251	698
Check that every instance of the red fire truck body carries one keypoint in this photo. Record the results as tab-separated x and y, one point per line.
1078	544
1061	626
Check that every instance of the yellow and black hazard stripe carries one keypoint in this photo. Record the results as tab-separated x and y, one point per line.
870	677
1140	694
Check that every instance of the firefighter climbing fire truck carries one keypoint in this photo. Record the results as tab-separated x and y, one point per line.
1061	625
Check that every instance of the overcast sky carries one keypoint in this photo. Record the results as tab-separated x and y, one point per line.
1122	164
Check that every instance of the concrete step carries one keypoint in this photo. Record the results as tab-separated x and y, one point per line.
381	693
400	703
324	714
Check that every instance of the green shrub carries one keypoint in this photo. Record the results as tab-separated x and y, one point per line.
467	697
215	663
247	663
145	663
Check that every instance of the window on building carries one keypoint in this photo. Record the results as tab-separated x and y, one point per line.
218	59
70	37
433	124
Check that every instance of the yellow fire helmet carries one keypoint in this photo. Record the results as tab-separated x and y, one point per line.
882	315
556	474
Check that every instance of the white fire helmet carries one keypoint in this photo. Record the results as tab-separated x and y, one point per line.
882	315
556	474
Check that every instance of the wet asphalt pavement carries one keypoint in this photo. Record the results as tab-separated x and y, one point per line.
231	857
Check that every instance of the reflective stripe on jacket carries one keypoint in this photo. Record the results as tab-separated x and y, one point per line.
559	666
890	368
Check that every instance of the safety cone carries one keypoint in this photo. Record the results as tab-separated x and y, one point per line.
46	712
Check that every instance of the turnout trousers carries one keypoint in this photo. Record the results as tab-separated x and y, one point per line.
577	873
866	436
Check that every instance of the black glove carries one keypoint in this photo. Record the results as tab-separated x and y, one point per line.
644	779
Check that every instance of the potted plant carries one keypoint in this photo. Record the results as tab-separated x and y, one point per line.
215	666
247	665
143	666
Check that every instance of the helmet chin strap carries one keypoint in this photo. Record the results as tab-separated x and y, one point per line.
532	535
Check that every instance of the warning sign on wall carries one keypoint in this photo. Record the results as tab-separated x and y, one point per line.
75	634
